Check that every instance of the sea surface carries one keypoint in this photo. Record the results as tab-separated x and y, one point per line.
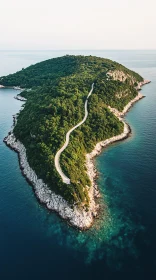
37	244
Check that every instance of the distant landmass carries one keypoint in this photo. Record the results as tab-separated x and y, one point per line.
56	92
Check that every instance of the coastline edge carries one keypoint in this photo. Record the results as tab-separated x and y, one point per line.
78	218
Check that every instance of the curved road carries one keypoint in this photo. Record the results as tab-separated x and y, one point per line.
65	179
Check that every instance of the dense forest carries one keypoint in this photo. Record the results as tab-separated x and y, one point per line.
56	90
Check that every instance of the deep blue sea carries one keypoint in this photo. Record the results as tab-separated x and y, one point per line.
36	244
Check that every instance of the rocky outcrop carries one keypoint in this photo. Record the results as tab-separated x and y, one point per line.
144	82
16	88
121	76
19	97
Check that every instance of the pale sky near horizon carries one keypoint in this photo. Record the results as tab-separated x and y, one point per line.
82	24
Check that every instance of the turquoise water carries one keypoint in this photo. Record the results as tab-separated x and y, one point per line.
37	244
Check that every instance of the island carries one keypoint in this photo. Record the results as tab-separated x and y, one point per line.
73	107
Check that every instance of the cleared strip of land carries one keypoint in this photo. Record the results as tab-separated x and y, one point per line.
65	179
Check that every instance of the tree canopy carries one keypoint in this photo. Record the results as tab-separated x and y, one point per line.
56	90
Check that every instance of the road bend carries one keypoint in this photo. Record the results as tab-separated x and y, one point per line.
65	179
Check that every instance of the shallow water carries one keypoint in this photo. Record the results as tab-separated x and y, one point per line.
36	244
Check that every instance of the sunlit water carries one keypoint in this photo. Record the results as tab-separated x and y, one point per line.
37	244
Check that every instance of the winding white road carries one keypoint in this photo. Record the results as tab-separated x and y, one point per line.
65	179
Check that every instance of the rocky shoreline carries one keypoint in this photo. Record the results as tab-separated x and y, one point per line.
15	87
77	217
91	170
20	98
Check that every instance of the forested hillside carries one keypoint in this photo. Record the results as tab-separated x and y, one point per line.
56	90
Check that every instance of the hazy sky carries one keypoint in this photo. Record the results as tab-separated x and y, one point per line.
82	24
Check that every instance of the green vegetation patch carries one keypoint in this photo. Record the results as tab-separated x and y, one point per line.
56	90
